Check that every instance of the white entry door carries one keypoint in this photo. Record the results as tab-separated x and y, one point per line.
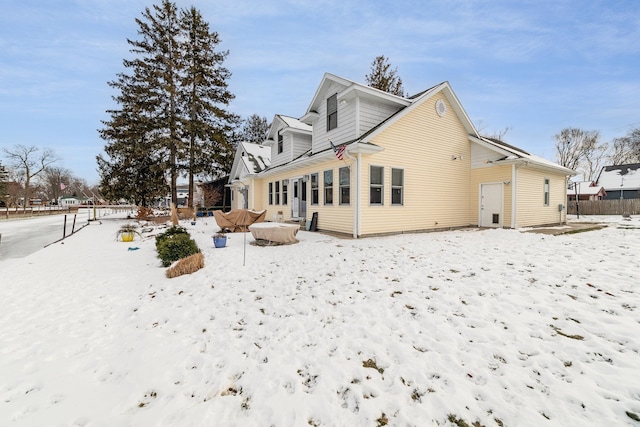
299	199
491	205
295	200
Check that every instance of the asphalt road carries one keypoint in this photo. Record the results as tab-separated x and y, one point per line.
21	237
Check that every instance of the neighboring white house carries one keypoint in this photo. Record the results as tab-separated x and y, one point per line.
71	201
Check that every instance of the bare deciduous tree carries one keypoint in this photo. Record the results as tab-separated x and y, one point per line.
29	162
56	180
577	148
594	160
626	149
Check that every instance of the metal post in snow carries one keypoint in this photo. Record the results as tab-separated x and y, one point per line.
73	227
64	227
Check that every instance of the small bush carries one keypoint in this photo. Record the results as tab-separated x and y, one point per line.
144	212
169	234
175	247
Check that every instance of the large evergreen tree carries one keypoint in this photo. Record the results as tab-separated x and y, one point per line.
255	129
136	156
172	117
204	95
383	77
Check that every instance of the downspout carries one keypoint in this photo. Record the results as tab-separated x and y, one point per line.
358	200
514	196
356	203
250	202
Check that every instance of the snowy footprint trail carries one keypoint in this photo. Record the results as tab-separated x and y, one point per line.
497	327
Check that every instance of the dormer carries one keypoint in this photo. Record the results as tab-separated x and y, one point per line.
342	110
288	138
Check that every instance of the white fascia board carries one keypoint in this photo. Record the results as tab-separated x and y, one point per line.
356	90
363	148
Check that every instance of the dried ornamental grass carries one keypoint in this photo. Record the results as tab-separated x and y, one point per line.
187	265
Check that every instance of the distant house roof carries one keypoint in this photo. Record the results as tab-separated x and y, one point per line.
620	177
585	188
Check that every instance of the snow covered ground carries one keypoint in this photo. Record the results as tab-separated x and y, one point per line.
497	327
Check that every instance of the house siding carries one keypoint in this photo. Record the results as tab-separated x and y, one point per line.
489	175
338	218
300	144
482	156
436	188
530	208
372	114
287	149
346	129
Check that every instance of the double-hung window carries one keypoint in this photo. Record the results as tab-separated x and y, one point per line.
397	186
332	112
376	185
328	187
271	193
314	189
344	177
285	191
280	143
277	192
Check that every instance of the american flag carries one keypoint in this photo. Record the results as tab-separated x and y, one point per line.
339	151
62	186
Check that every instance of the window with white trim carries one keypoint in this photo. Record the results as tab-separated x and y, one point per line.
271	193
328	187
376	185
280	143
285	191
397	186
314	189
332	112
344	181
277	193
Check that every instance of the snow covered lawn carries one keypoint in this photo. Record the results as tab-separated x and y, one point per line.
476	328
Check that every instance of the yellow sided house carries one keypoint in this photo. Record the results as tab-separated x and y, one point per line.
368	162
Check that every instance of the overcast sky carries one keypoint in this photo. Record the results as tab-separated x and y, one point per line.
535	66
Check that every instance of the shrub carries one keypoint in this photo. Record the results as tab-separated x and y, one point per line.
174	247
144	212
172	231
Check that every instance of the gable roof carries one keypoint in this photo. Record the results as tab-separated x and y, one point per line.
616	177
258	157
585	188
418	99
294	123
514	154
250	159
350	90
406	105
291	125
